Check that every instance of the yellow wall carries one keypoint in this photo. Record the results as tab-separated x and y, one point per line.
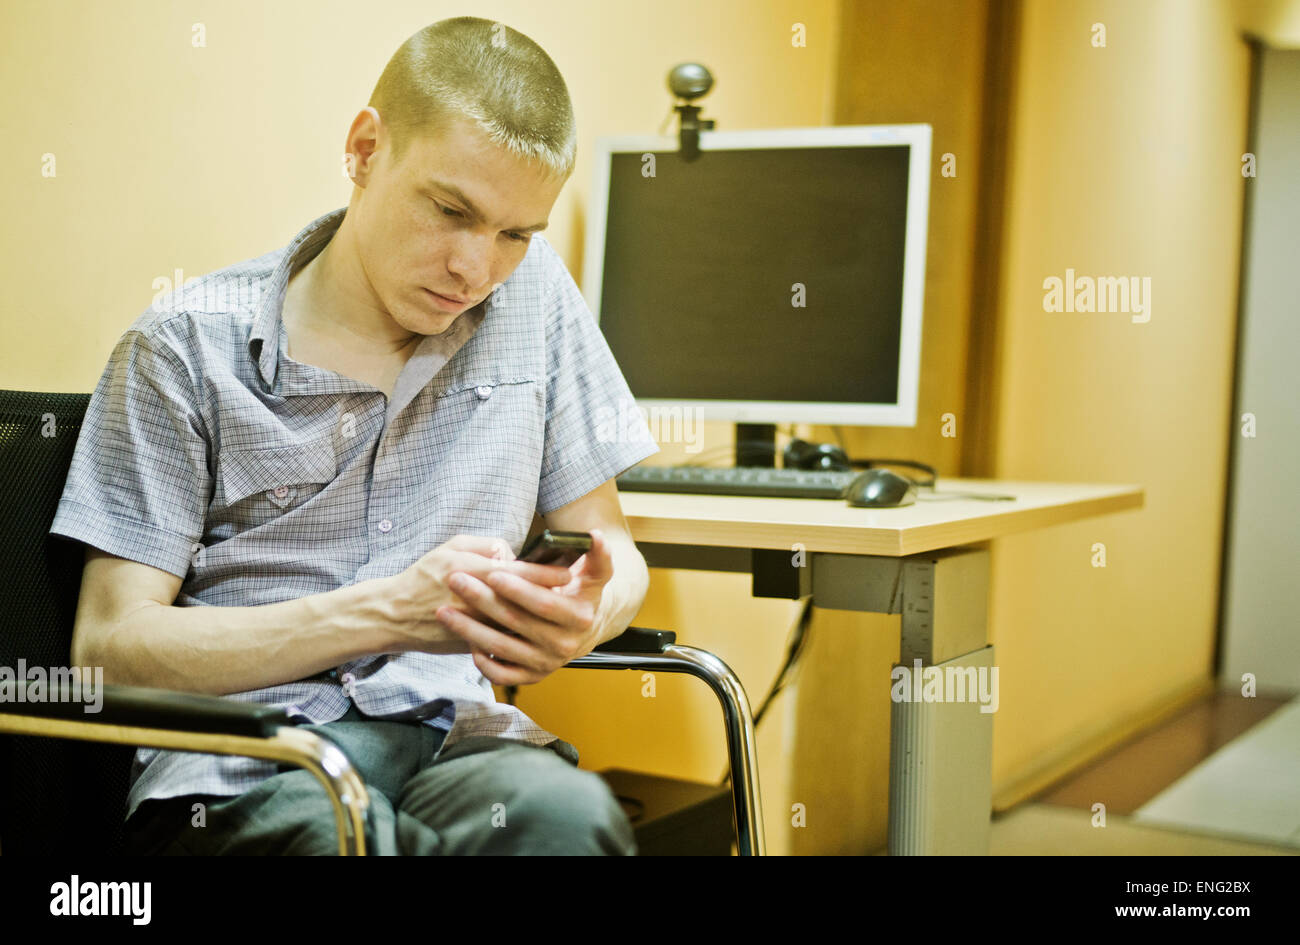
1125	161
1276	22
174	157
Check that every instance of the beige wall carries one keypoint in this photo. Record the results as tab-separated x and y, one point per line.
1125	161
170	156
1276	22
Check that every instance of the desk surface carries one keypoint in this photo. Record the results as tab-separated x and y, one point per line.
832	526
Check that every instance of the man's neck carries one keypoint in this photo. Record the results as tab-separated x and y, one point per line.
326	299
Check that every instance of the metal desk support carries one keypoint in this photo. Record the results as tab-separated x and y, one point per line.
940	760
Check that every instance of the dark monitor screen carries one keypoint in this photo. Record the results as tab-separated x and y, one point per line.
702	259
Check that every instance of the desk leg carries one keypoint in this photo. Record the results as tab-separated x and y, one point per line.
940	764
941	753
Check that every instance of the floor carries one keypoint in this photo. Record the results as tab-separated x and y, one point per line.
1164	791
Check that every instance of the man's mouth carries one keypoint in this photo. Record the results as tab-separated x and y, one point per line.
445	301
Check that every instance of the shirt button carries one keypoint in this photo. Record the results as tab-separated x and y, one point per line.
281	491
484	392
385	526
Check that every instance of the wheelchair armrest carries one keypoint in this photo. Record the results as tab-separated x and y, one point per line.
141	707
638	640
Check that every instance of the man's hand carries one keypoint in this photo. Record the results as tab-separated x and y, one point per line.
537	629
413	596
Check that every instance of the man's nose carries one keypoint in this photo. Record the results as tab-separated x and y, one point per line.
471	260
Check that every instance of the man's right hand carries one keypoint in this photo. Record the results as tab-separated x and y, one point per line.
416	593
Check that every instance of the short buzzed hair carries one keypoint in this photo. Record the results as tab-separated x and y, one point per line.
496	77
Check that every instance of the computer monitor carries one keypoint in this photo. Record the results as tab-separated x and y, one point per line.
776	278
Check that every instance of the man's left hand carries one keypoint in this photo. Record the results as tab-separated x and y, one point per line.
537	629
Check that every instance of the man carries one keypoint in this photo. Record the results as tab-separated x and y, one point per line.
312	498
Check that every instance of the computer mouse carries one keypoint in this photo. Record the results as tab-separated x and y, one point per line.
880	489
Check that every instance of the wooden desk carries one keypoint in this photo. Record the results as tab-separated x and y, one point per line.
927	562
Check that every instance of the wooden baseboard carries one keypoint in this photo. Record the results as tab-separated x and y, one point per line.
1094	744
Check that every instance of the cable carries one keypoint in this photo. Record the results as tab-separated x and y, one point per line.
949	496
798	641
663	129
911	463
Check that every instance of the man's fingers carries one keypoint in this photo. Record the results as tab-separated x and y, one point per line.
504	674
546	575
501	644
598	563
539	602
483	554
485	545
484	599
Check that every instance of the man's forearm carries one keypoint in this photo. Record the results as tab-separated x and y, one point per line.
625	592
220	650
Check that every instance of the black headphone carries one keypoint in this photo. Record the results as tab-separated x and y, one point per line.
823	456
828	457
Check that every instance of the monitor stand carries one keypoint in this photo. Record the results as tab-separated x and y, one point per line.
756	444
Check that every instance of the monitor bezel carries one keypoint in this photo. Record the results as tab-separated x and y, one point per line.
917	137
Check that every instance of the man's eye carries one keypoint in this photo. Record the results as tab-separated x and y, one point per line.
449	211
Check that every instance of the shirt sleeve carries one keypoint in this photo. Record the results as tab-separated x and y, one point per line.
139	483
594	430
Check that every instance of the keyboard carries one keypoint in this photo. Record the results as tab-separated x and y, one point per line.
741	480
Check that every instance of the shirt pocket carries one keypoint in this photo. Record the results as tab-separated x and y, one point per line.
486	440
494	427
255	486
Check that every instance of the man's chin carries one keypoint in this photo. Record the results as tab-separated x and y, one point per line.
429	323
444	326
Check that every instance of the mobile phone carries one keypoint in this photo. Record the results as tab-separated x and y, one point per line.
556	547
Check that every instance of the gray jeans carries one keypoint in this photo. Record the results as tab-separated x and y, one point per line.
483	795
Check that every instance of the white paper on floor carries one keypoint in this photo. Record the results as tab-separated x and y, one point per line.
1249	788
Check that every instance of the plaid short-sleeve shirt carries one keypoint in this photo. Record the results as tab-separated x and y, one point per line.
208	453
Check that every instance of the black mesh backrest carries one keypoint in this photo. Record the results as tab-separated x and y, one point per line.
56	795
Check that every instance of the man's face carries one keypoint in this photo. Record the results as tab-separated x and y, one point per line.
451	219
